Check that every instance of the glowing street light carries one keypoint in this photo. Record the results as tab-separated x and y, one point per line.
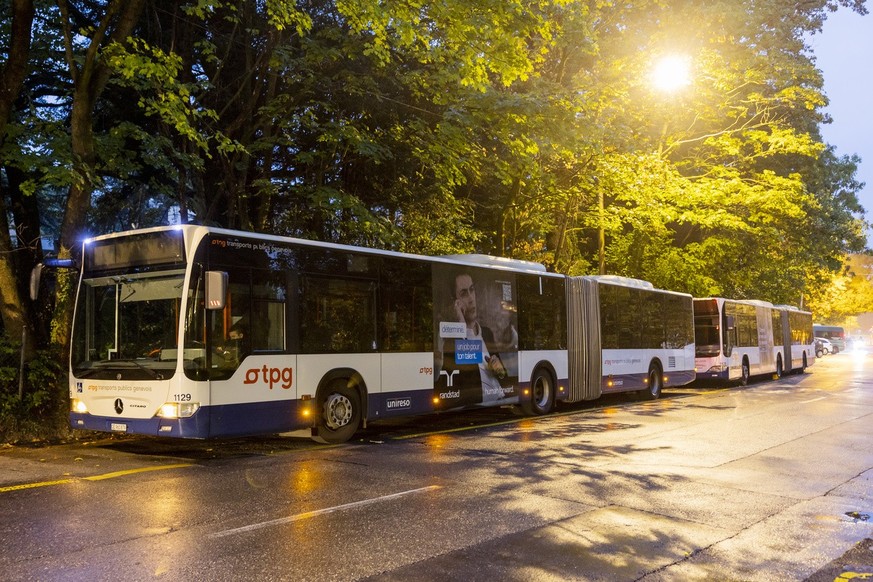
672	73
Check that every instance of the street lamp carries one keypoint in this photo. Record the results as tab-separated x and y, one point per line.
672	73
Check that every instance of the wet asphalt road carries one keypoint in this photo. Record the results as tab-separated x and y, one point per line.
772	481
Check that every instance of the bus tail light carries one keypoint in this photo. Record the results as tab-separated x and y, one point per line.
79	406
178	409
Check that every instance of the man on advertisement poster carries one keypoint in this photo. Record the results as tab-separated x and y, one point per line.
473	367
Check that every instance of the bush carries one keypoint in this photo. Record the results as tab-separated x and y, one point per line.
40	413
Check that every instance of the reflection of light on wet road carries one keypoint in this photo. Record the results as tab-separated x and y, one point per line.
437	441
859	357
306	480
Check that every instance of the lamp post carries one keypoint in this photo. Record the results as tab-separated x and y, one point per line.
601	235
671	73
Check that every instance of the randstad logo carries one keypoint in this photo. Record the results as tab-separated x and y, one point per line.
451	394
272	376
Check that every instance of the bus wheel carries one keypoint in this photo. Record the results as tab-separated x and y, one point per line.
542	394
778	368
744	377
656	383
340	414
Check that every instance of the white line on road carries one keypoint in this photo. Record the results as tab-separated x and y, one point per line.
317	512
813	400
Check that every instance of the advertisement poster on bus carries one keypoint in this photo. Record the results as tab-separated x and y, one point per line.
476	347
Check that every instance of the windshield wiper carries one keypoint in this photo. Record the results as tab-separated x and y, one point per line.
153	374
103	365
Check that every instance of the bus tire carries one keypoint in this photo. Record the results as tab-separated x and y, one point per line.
803	366
340	413
656	383
779	370
542	394
744	374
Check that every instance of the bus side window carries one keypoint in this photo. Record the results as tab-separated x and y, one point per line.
337	315
406	306
730	332
268	311
609	308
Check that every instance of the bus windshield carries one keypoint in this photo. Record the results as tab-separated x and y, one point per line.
127	326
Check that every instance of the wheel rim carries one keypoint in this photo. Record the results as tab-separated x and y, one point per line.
338	411
541	392
654	383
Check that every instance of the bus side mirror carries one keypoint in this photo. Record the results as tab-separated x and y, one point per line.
35	276
216	289
36	273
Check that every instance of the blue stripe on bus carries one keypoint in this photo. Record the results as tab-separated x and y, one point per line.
261	417
631	382
196	426
401	403
208	421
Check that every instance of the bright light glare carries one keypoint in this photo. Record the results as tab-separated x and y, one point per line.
169	410
672	73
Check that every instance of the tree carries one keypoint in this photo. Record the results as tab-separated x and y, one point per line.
12	74
846	295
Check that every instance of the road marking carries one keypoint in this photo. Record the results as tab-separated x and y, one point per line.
33	485
317	512
92	477
133	471
813	400
853	576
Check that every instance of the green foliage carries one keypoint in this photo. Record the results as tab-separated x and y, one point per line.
842	297
41	411
154	74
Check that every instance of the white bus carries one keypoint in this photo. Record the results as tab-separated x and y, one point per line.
200	332
737	339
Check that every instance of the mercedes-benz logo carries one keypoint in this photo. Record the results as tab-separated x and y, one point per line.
119	406
118	376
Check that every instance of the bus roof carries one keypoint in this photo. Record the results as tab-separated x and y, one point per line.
620	281
194	231
755	302
492	261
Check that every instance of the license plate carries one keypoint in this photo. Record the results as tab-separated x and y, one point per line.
119	426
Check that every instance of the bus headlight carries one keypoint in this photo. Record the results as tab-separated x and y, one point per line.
77	405
178	409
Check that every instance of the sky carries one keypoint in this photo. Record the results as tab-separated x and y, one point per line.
844	55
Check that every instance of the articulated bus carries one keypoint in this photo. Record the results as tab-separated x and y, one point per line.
199	332
737	339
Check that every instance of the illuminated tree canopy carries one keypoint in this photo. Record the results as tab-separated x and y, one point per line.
510	127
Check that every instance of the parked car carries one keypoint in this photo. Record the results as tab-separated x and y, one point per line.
823	346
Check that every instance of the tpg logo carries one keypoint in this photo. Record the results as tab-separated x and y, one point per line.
271	376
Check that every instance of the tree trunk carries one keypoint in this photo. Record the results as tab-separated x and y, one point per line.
12	305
